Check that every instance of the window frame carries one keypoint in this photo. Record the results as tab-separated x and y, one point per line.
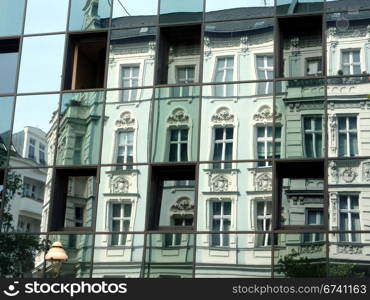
313	133
222	219
265	68
222	161
350	60
265	139
349	212
268	235
122	235
178	143
347	132
130	88
314	58
222	83
125	165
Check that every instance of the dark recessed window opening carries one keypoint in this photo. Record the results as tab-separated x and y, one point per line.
179	54
8	64
172	200
299	47
300	193
85	64
73	199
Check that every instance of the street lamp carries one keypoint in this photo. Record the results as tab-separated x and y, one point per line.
56	255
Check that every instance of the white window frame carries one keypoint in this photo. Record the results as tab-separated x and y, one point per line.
42	152
265	70
310	59
265	140
121	220
178	142
32	145
264	219
222	217
224	70
347	131
125	145
129	88
313	237
351	63
186	67
174	235
313	132
224	141
349	213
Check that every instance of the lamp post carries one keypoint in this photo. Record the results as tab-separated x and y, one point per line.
56	255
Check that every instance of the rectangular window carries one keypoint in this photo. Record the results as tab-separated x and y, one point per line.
77	154
314	66
125	149
184	74
265	69
26	190
347	136
42	159
312	127
314	216
178	145
176	45
120	217
223	147
172	193
130	79
351	63
264	144
264	216
224	73
31	148
349	218
174	239
73	199
220	221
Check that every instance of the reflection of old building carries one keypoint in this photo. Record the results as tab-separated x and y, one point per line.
221	146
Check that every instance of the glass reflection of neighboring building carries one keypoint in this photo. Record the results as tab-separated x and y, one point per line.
229	147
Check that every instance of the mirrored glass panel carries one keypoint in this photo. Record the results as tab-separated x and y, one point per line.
78	248
34	130
122	203
289	7
46	16
41	55
24	198
169	258
300	255
300	194
347	43
9	53
235	199
345	5
89	15
21	255
11	17
238	50
179	54
176	124
348	259
300	119
348	194
80	128
241	259
238	9
347	119
118	260
123	142
237	122
180	11
131	58
300	49
132	13
6	112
